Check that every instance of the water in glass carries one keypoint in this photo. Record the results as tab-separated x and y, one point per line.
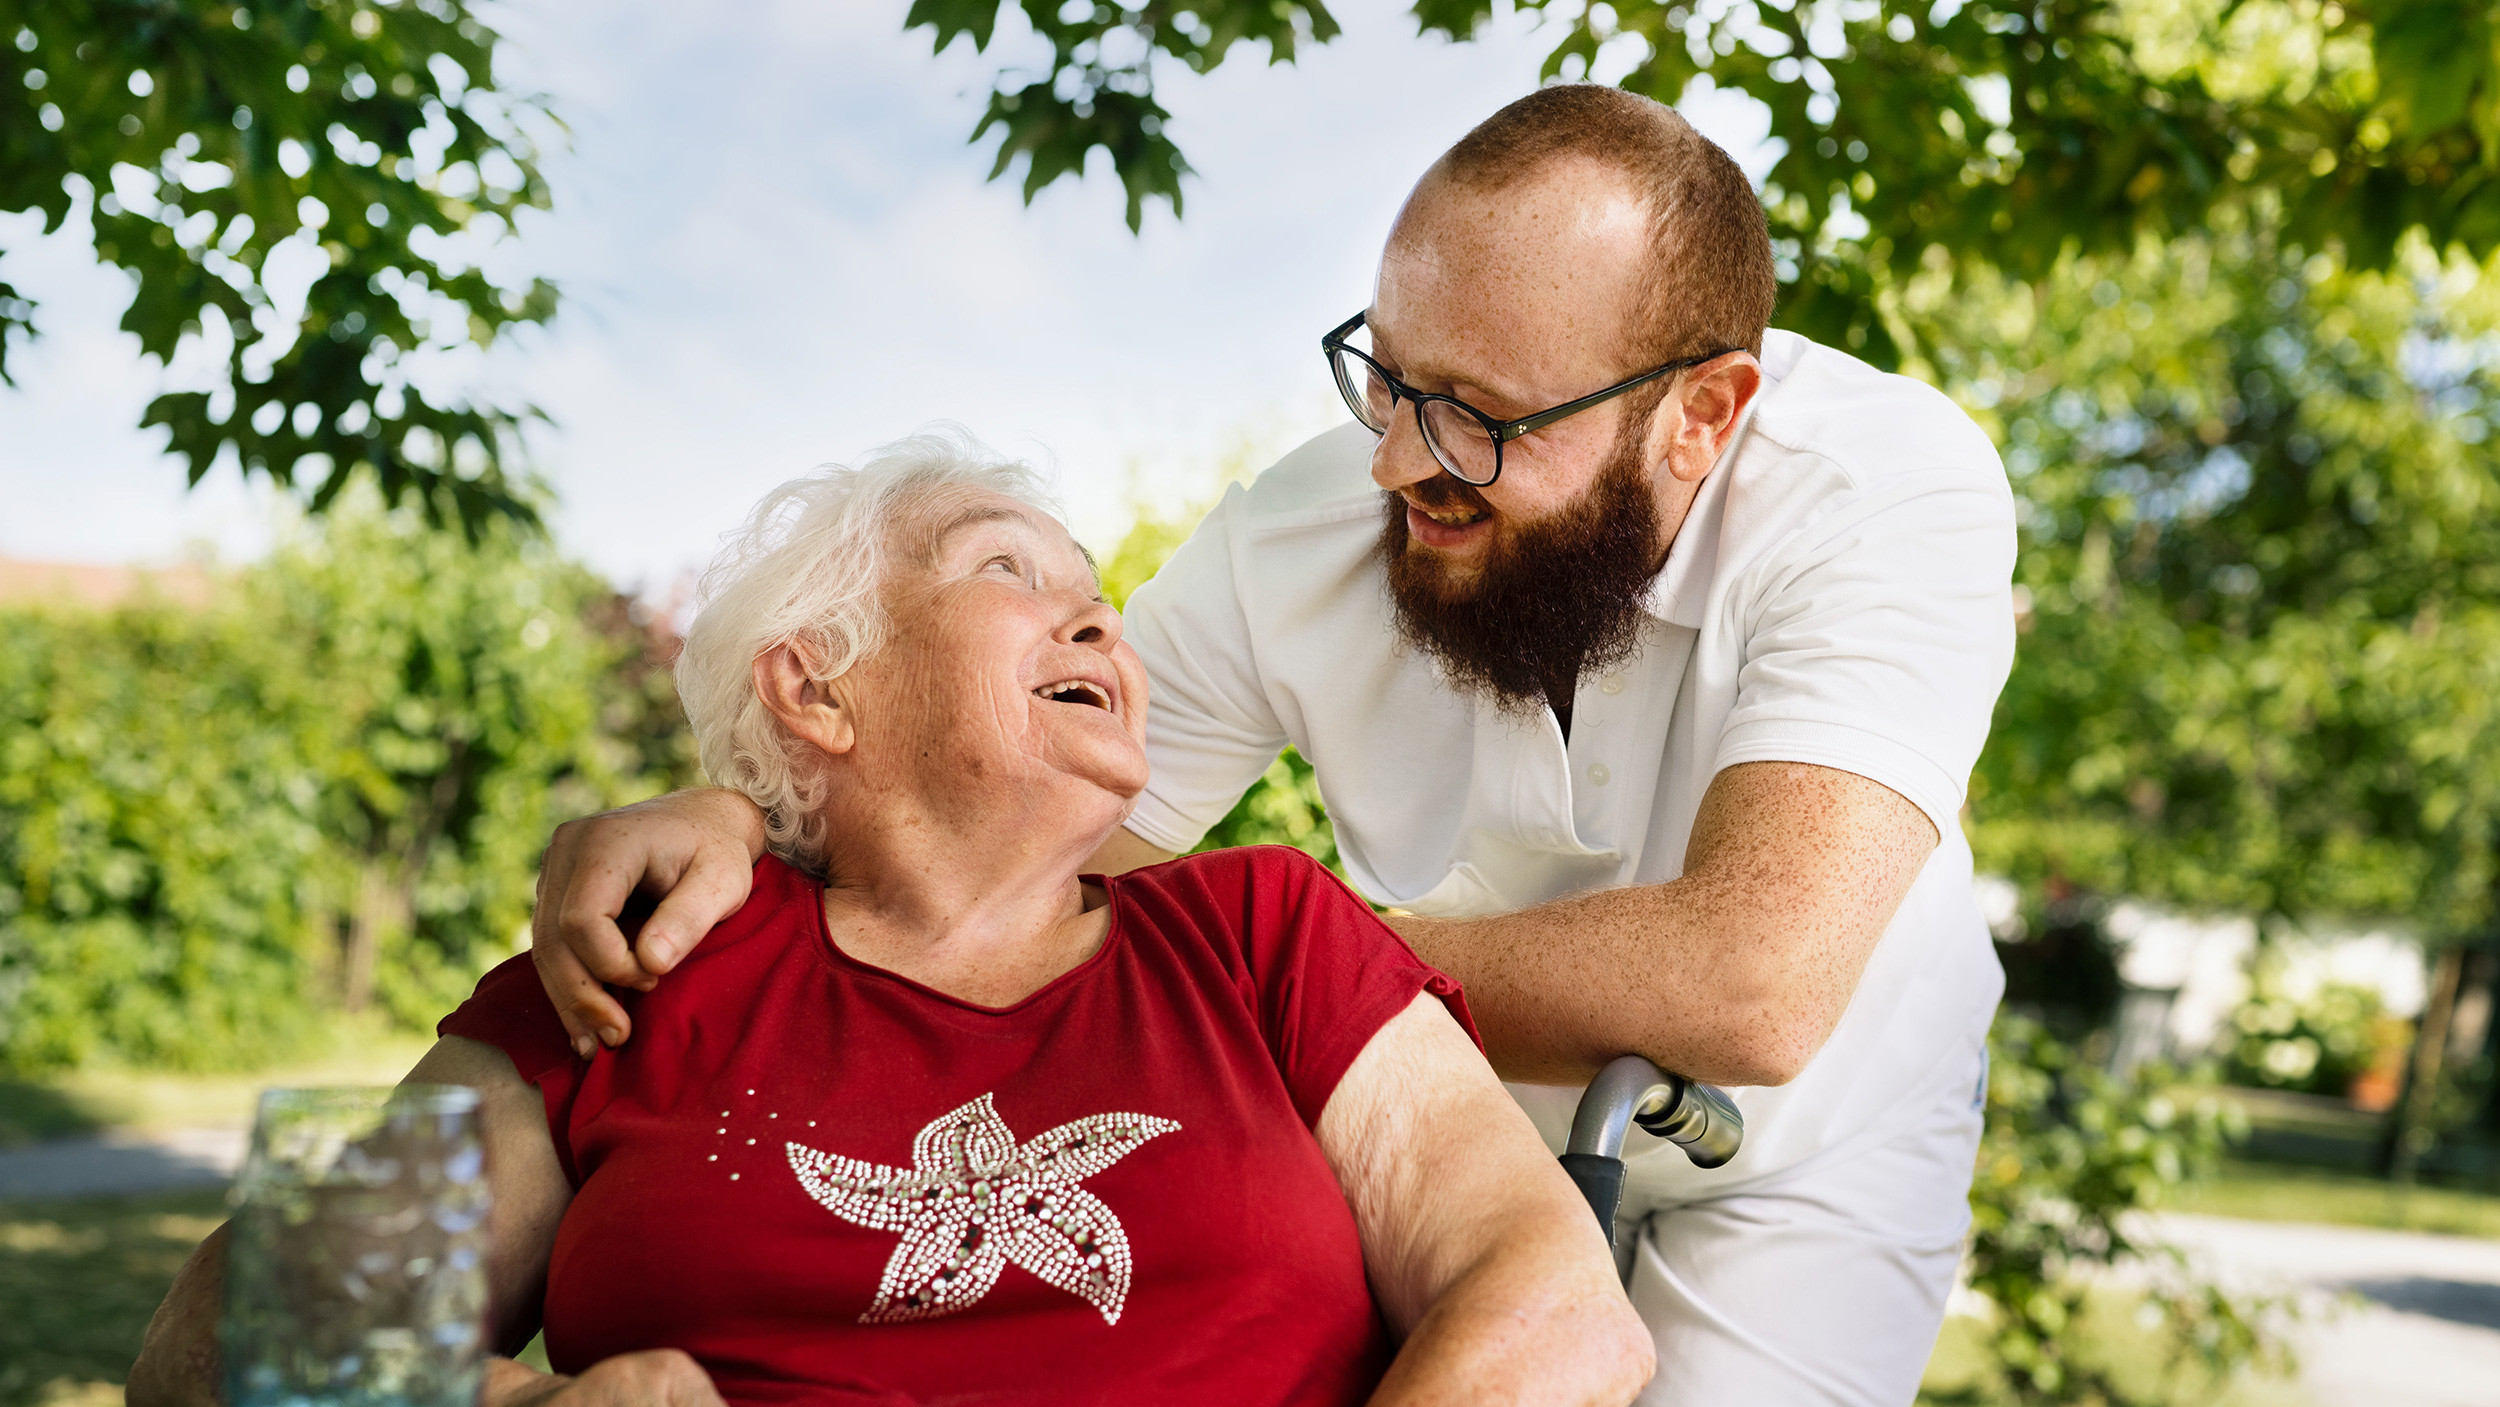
356	1275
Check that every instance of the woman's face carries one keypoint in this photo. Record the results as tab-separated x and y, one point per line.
1004	670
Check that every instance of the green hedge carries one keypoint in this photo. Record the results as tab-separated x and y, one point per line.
328	786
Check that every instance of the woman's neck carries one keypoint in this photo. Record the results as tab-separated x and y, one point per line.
987	914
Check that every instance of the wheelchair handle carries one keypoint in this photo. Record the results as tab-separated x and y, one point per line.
1698	1118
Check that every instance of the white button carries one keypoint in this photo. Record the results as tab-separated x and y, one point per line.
1598	773
1611	684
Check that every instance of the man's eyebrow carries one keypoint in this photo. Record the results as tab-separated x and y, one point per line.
1447	376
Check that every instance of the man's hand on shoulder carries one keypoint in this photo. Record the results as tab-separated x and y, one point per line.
693	851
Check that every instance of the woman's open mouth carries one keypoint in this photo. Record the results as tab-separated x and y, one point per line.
1074	691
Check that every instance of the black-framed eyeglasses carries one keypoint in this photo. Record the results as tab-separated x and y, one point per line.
1464	440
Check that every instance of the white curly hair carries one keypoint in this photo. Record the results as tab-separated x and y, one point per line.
808	569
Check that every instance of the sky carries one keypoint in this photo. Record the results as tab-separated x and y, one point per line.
777	251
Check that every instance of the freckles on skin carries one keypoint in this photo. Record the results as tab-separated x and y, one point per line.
1530	284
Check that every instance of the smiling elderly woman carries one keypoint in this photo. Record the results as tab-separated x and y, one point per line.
935	1116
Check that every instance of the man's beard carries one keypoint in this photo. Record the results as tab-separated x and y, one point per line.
1552	599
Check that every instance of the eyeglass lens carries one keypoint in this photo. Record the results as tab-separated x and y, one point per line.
1458	441
1366	394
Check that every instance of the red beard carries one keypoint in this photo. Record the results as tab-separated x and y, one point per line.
1552	600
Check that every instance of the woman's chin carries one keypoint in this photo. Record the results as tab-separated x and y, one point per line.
1115	771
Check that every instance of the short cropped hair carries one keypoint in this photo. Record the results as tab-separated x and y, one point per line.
1711	281
809	569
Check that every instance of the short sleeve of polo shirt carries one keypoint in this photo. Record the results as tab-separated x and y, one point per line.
1210	729
1878	637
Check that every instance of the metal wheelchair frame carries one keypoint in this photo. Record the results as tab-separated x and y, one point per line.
1698	1118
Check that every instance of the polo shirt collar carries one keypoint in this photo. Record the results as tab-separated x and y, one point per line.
1680	593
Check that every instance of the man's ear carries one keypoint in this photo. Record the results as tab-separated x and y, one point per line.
1712	401
805	705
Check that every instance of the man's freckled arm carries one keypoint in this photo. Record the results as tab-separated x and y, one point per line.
1734	973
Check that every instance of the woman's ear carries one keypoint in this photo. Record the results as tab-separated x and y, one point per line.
804	704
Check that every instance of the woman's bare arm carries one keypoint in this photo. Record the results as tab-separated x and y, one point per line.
1484	1257
179	1363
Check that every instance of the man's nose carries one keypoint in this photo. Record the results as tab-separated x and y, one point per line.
1402	457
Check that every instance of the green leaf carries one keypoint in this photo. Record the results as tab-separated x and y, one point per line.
228	137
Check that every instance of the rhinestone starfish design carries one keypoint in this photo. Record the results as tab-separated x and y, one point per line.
974	1200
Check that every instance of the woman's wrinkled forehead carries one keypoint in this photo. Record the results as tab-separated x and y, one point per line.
943	521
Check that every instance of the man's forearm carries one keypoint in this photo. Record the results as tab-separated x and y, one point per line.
1734	973
1560	989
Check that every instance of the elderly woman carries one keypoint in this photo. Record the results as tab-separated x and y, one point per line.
934	1116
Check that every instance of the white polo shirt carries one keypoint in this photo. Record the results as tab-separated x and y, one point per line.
1839	595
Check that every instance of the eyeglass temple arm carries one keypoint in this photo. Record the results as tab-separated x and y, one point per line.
1514	429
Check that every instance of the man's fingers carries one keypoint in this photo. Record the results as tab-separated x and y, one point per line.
712	888
555	875
591	1017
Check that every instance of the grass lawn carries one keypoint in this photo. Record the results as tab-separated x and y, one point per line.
80	1101
78	1280
2288	1192
1960	1371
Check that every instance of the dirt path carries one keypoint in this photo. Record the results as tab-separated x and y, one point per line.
2397	1318
119	1164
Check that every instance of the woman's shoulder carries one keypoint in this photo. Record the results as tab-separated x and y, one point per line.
1262	900
510	1007
782	905
1232	872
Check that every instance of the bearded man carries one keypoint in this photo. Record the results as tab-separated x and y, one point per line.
1643	656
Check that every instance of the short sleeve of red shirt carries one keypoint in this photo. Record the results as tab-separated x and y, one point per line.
511	1011
1321	970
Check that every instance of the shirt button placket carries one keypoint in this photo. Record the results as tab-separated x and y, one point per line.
1598	775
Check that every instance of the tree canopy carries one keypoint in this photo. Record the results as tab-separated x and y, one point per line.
305	186
2004	133
2262	567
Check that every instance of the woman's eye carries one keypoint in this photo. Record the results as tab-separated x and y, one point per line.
1013	567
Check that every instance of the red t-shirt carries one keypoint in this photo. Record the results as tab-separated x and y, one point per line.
830	1183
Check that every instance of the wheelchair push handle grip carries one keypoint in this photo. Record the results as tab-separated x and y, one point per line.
1698	1118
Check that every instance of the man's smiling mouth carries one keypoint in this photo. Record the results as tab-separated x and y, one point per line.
1074	691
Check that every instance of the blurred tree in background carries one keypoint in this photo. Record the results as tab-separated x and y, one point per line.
2071	1154
2261	546
305	189
2005	135
327	789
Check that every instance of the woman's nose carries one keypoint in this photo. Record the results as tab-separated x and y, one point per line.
1094	623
